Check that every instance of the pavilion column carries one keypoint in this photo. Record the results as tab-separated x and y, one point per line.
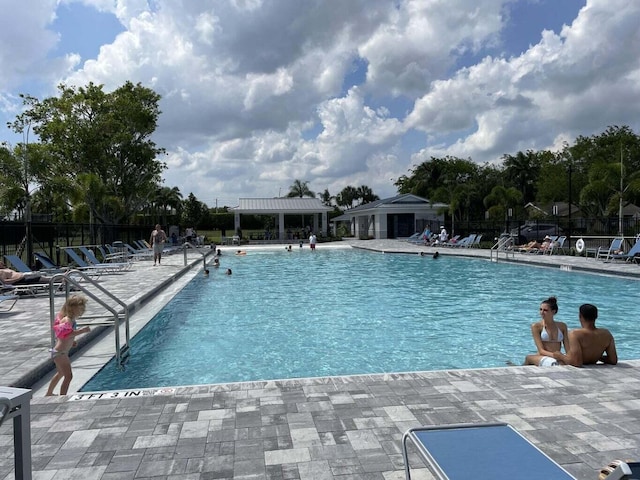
236	223
315	223
324	224
281	232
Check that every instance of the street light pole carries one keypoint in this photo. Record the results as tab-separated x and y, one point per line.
570	223
620	232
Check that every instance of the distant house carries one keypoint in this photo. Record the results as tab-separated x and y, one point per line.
396	217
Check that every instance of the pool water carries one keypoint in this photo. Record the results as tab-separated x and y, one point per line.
342	311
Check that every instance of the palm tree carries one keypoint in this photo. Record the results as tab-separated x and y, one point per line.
300	189
500	200
347	196
366	195
522	171
326	197
167	198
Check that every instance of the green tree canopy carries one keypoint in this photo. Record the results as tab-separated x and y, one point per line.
105	135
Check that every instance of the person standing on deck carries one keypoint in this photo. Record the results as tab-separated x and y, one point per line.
157	240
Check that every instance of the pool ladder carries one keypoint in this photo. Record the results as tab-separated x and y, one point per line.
505	244
116	318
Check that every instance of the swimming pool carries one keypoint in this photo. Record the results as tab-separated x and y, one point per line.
340	312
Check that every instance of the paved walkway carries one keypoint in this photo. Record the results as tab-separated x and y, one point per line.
325	428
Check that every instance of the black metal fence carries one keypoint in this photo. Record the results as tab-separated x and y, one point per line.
49	238
593	227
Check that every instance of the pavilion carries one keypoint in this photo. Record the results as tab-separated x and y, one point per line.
279	207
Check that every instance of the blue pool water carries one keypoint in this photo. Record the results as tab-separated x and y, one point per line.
341	312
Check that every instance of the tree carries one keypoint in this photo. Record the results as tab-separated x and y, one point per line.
521	171
300	189
326	197
195	212
366	195
347	196
88	131
168	198
500	200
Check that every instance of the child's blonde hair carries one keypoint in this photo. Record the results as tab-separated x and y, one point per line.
73	303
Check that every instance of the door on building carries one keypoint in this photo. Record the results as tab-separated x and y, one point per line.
401	225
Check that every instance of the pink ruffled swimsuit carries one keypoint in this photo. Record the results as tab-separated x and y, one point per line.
61	330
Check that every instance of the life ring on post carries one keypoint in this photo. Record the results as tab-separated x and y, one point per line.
580	245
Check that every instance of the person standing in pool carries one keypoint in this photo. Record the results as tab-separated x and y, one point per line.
548	335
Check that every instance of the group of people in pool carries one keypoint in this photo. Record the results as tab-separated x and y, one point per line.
586	345
216	263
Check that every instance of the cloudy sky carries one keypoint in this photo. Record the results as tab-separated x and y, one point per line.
257	93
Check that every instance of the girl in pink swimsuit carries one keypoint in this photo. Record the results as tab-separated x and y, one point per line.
66	331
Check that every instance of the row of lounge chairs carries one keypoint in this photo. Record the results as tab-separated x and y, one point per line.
552	245
470	241
114	259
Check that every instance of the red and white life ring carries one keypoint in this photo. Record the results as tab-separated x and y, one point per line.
580	245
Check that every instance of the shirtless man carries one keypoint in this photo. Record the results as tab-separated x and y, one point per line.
11	277
589	344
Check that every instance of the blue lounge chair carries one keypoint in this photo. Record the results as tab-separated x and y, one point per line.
17	263
139	253
606	253
632	254
480	452
82	265
47	263
93	260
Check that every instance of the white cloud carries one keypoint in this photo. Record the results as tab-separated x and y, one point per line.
258	93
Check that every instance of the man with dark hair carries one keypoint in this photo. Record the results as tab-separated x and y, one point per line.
589	344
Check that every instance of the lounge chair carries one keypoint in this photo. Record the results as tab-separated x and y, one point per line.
17	263
27	289
476	242
614	248
480	452
7	302
84	266
415	238
48	264
466	242
631	255
93	260
452	241
139	253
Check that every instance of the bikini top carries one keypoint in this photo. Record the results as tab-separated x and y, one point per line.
63	329
544	336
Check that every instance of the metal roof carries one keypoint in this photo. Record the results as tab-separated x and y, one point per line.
281	204
399	201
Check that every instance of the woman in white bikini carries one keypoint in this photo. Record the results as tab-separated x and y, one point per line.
548	335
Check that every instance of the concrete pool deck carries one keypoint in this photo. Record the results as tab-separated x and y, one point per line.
323	428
